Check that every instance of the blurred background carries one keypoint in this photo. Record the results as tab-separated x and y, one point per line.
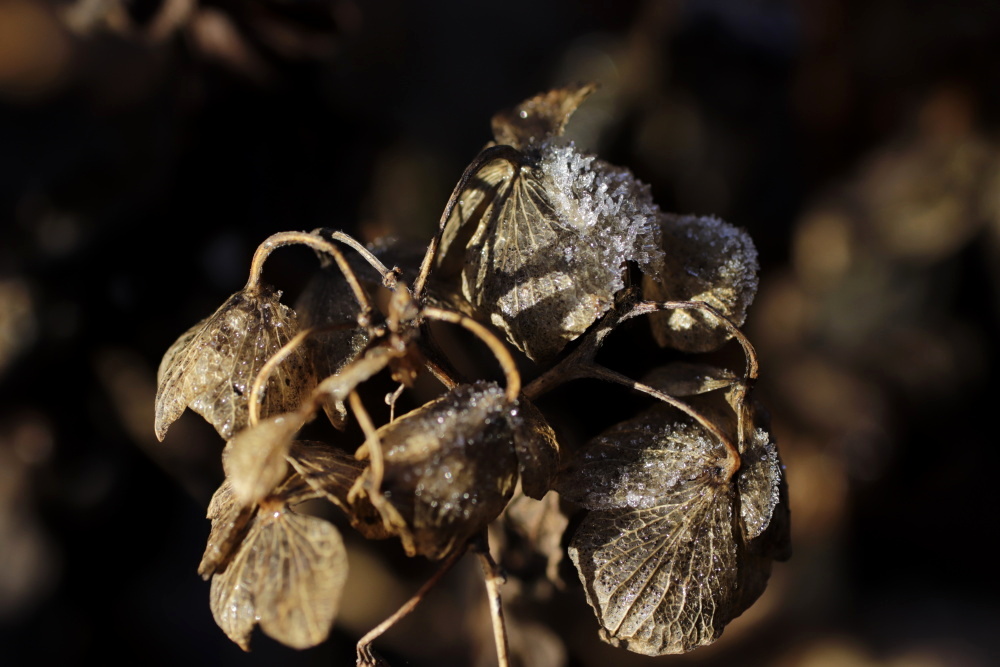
147	146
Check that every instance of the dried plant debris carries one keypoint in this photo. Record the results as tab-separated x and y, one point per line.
229	526
542	242
287	576
683	378
704	259
662	553
332	473
449	469
211	368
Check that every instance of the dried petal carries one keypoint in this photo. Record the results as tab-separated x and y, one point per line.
254	459
705	259
229	526
550	249
288	576
450	469
537	450
328	470
662	561
211	368
540	117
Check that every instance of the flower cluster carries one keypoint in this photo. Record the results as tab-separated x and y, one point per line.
544	249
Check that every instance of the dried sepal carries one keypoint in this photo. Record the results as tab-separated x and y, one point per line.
541	239
761	479
254	459
537	450
449	469
540	117
211	368
662	560
328	470
705	259
549	251
288	576
229	526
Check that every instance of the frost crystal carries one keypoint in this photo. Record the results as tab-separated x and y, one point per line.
708	260
611	209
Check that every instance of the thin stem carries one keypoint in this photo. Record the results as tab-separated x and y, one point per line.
257	388
282	239
377	464
485	156
388	275
494	579
391	398
732	453
408	606
264	374
645	307
498	349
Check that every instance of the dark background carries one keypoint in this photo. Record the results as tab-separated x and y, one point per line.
147	147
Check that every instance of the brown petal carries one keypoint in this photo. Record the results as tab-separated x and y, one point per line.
254	459
705	259
450	469
537	450
663	563
540	117
288	575
212	366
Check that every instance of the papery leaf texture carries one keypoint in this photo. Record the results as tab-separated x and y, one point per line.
288	576
212	366
254	459
537	450
666	558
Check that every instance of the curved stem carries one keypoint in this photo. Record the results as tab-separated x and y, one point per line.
377	464
732	453
388	275
485	156
645	307
282	239
264	374
407	607
498	349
